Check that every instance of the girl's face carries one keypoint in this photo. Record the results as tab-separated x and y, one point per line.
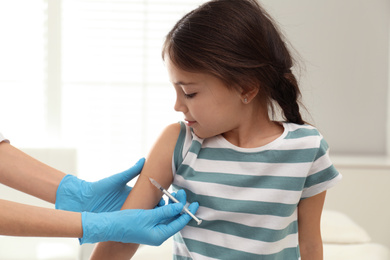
208	106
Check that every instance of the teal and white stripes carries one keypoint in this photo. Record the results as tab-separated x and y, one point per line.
248	197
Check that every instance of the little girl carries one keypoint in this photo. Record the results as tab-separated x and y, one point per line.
260	183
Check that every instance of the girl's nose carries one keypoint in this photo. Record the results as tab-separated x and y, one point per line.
179	105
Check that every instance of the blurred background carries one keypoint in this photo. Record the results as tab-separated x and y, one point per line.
83	88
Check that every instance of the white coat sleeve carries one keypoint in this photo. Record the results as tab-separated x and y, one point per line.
2	139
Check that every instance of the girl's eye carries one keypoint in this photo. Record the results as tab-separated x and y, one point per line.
189	95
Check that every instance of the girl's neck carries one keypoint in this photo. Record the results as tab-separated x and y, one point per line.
254	132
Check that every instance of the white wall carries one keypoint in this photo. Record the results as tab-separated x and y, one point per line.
344	46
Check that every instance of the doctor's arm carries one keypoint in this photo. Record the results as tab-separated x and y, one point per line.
127	226
24	220
106	196
24	173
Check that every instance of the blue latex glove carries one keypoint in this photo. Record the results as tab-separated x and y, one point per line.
105	195
151	227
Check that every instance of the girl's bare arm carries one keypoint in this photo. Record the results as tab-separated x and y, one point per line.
309	231
144	195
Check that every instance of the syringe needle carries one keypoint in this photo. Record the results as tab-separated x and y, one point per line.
158	186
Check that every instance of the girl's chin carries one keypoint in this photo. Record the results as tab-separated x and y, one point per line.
201	135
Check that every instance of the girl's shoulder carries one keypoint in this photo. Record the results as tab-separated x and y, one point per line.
173	128
168	137
186	134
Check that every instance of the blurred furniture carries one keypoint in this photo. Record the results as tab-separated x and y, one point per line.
343	239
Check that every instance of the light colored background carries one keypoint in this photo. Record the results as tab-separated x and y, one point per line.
345	49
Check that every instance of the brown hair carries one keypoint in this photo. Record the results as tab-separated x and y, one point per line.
238	42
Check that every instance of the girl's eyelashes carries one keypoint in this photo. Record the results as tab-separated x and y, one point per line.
189	95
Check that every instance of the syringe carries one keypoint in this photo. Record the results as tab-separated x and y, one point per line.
155	183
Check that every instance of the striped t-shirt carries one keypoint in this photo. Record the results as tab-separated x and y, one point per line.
248	196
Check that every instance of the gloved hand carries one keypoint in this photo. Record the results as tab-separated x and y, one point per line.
105	195
135	225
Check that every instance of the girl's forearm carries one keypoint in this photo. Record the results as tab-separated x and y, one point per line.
24	220
313	252
22	172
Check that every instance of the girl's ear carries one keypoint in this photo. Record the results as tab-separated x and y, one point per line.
247	95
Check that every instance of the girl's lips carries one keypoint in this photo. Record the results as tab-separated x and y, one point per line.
190	123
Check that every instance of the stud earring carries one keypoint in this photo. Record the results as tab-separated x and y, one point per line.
245	100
